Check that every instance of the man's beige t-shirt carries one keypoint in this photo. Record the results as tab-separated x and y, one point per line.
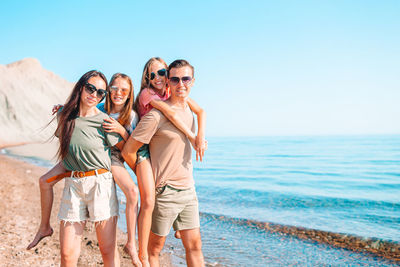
170	150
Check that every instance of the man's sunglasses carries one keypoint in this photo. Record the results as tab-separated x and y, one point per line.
176	80
161	72
90	89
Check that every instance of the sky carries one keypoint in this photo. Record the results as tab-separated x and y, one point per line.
261	67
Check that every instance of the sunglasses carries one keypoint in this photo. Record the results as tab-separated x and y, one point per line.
162	72
90	89
115	89
176	80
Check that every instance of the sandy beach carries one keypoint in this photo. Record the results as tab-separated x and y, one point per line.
20	217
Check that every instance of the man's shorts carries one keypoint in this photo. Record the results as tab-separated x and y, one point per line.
143	153
177	208
116	157
90	198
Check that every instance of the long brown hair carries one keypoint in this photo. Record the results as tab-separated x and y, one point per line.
124	117
146	77
67	116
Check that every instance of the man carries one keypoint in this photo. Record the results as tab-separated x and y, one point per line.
171	159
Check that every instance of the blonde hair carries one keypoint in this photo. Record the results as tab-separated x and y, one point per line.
124	117
145	83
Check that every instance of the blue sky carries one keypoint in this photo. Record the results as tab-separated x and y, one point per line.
261	67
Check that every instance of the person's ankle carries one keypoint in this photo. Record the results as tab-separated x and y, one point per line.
45	228
143	257
130	247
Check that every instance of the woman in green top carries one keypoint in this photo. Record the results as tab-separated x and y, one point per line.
123	119
89	192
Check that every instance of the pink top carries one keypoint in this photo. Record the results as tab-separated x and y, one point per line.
146	96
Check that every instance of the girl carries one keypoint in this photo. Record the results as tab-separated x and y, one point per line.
118	105
153	91
89	191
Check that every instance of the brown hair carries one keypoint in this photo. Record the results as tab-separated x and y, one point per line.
145	83
67	116
125	114
179	63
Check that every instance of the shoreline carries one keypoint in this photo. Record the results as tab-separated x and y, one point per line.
373	246
21	217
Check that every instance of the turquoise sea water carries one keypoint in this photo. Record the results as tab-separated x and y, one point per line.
341	184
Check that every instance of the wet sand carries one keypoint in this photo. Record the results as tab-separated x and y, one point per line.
20	217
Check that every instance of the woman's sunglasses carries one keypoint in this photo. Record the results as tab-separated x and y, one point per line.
161	72
176	80
90	89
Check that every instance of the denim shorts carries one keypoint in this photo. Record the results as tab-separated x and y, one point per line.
90	198
143	153
175	207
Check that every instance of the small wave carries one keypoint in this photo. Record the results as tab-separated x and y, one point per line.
395	174
314	173
383	248
32	160
286	156
255	198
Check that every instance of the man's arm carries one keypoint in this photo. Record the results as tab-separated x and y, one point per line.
129	152
120	145
171	115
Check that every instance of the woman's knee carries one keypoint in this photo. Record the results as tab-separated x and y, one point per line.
107	249
69	254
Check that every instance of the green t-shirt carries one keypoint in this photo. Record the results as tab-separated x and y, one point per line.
90	145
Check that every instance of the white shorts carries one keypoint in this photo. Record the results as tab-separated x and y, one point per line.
90	198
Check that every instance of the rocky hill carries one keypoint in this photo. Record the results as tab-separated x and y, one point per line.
27	94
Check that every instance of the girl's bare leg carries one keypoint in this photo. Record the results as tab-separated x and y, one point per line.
70	243
46	204
106	232
125	182
147	198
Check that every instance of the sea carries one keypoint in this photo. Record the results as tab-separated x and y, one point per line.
348	185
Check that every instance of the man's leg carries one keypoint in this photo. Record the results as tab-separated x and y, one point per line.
156	244
191	240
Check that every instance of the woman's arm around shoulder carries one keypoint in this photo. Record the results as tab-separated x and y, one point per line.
171	115
201	122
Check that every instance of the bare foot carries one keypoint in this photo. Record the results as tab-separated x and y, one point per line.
131	251
39	236
178	234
